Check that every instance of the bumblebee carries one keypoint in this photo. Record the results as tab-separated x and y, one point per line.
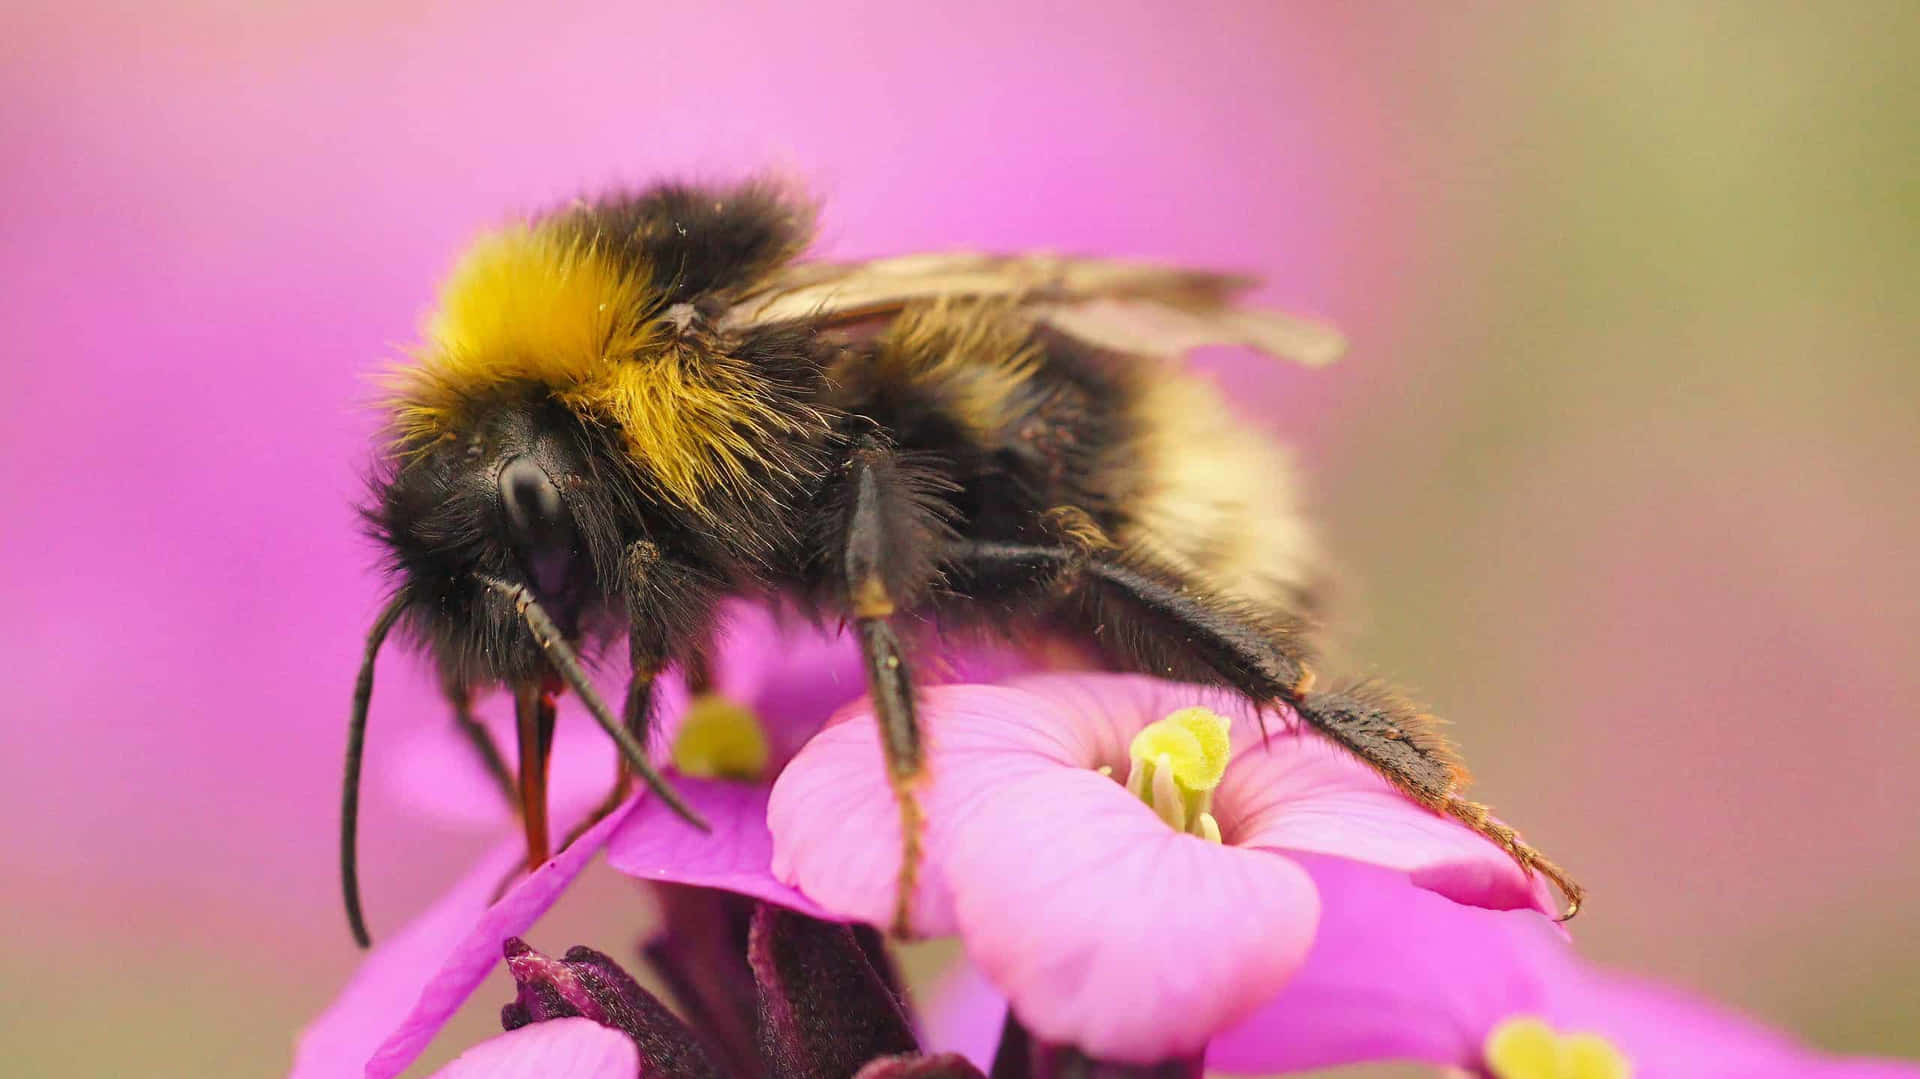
636	406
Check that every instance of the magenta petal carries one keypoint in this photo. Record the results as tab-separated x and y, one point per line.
559	1049
412	982
436	772
794	676
1396	973
836	831
1290	789
1670	1035
1095	716
963	1014
1111	932
836	825
1299	792
1399	973
653	843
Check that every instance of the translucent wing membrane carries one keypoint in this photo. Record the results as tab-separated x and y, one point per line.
1135	307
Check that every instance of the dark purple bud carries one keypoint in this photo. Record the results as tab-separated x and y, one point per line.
1021	1056
701	953
937	1066
824	1011
587	983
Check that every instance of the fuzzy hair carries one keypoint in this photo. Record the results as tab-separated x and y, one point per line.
577	315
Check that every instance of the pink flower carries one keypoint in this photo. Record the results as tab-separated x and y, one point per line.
1398	973
1108	928
820	1008
785	682
573	1048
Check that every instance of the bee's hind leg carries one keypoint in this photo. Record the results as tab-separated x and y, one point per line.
1404	744
1174	629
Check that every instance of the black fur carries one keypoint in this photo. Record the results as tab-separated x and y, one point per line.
1141	616
697	240
439	514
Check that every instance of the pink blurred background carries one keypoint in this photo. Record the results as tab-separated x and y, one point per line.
1620	469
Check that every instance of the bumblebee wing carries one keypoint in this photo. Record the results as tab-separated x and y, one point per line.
1134	307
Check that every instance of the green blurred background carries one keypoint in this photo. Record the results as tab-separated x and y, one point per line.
1620	474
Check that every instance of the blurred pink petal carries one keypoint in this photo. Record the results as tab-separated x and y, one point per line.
653	843
1114	933
435	772
964	1014
1399	973
557	1049
413	981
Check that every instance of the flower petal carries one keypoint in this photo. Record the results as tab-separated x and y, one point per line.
793	676
1112	932
1097	715
836	825
561	1049
1396	973
653	843
435	770
410	984
1399	973
964	1014
1300	792
1667	1034
1288	788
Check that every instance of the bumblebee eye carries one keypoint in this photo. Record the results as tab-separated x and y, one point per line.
531	499
538	519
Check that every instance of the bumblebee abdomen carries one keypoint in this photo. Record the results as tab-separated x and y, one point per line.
1209	497
1045	433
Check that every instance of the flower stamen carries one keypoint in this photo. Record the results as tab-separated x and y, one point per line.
1177	762
1523	1047
721	739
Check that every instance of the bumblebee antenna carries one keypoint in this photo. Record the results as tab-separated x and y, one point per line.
350	790
567	663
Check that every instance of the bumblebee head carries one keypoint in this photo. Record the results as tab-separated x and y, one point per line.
521	496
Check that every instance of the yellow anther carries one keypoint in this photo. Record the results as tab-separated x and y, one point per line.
1194	739
1523	1047
720	739
1177	762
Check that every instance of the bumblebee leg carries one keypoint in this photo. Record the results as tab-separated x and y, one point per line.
460	699
889	524
1171	629
1159	624
533	713
647	657
892	690
1404	744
